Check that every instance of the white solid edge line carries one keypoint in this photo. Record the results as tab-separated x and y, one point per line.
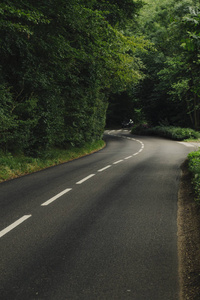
186	144
84	179
104	168
55	197
117	162
13	225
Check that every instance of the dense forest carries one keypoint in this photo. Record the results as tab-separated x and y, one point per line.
68	67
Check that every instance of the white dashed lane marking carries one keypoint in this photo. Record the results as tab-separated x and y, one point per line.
103	169
13	225
186	144
55	197
86	178
117	162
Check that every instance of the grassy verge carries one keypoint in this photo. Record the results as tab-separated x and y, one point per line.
171	132
12	166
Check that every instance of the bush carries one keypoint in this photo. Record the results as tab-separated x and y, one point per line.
194	168
171	132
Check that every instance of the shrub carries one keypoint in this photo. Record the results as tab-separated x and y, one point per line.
171	132
194	168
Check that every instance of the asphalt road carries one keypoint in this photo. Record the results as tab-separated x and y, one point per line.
100	227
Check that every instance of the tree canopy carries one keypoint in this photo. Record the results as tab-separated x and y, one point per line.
170	92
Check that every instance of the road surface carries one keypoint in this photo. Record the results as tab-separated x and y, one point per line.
100	227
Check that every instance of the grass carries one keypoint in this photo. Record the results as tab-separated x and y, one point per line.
12	166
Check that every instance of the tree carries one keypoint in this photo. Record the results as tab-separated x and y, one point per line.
167	93
183	68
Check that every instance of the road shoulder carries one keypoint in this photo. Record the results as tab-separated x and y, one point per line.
188	239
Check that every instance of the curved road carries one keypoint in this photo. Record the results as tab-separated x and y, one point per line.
99	227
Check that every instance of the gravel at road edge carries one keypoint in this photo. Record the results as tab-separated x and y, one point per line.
188	222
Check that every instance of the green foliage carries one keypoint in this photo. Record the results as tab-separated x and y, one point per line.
184	66
194	168
15	17
171	132
171	89
7	120
117	13
59	62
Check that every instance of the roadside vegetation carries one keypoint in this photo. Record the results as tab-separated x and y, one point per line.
171	132
16	165
194	168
